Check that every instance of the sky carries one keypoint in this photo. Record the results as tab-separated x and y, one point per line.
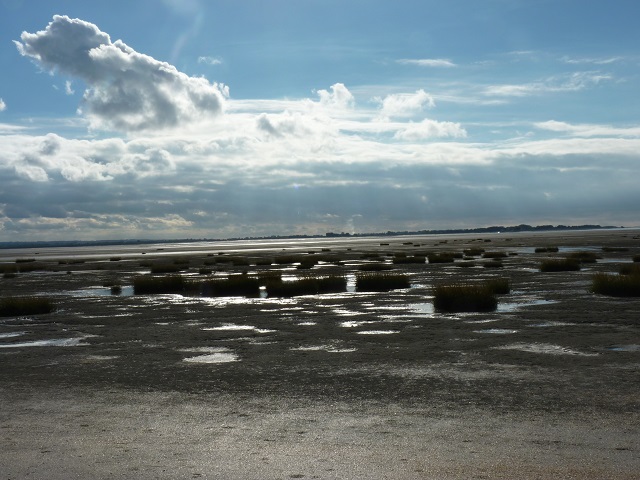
235	118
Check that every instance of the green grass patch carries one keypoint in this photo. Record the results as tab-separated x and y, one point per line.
560	265
381	282
148	284
465	298
616	285
19	306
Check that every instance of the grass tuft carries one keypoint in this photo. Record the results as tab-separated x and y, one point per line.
630	269
616	285
306	286
381	282
162	267
465	298
374	267
409	260
546	249
233	286
584	257
560	265
148	284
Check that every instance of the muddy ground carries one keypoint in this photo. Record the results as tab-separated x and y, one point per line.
348	385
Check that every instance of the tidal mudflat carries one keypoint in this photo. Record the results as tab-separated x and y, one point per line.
350	384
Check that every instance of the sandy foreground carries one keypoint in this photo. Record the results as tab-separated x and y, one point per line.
344	386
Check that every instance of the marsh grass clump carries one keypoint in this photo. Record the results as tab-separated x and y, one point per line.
499	286
466	264
440	258
583	257
560	265
18	306
493	264
31	267
381	282
616	285
306	286
264	262
636	258
473	252
416	259
162	267
630	269
8	268
465	298
546	249
287	259
115	259
25	260
494	255
615	249
205	271
374	267
307	263
148	284
232	286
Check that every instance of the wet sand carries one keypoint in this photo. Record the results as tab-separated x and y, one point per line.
351	385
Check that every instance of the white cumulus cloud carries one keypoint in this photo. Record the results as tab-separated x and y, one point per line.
209	60
3	106
339	96
128	91
430	129
405	104
427	62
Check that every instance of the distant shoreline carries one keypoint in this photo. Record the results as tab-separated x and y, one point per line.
479	230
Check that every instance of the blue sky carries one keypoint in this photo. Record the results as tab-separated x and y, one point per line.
193	118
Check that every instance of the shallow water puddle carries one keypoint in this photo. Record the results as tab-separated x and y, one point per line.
57	342
625	348
513	306
99	358
422	308
355	323
11	334
377	332
545	348
344	312
552	323
210	355
235	327
496	331
323	348
102	292
221	357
